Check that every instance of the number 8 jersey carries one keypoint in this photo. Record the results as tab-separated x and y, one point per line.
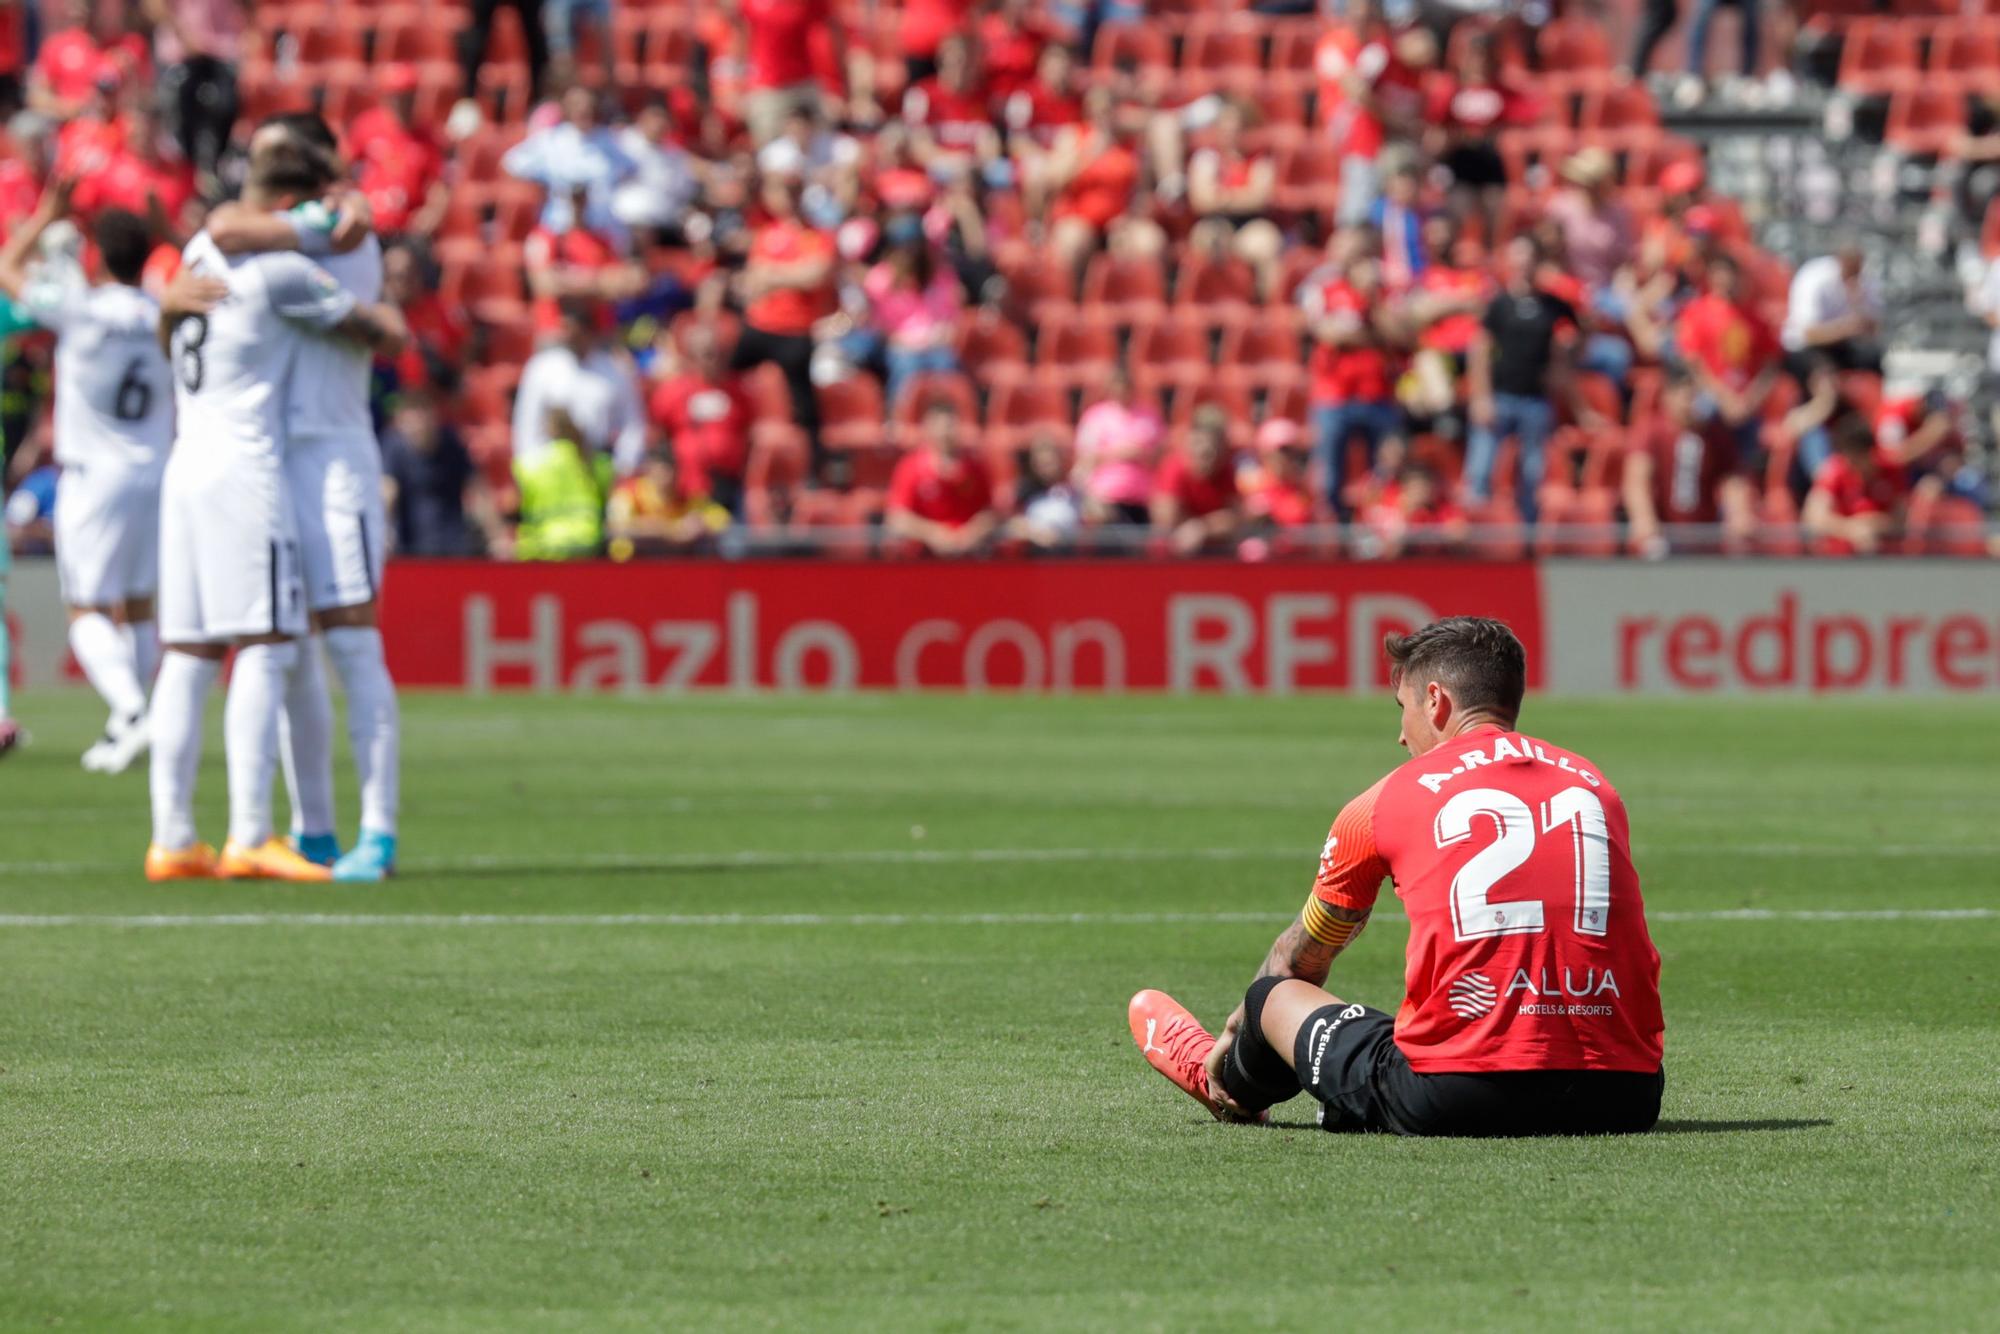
1528	943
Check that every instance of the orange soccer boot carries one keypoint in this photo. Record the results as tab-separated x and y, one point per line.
1176	1045
196	861
273	859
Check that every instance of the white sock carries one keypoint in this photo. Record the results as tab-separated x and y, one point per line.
106	658
373	724
144	636
180	703
305	737
257	686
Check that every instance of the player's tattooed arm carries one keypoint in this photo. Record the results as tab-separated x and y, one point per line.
1307	947
379	326
238	229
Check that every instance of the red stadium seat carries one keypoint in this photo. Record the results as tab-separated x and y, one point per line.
1879	56
1128	289
934	386
1018	411
1968	52
1144	45
1077	345
990	346
1215	284
1177	344
1924	121
1036	285
1269	338
852	414
1232	44
1308	178
1574	44
1621	113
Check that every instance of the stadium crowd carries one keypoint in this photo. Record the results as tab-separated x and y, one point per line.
1020	275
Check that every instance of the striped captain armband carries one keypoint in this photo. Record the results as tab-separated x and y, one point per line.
1323	926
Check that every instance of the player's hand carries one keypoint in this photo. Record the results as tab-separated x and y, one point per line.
1223	1042
352	223
56	198
192	292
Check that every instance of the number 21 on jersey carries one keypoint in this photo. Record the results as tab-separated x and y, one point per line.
1575	810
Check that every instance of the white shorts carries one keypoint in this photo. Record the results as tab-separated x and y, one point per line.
229	553
337	491
107	536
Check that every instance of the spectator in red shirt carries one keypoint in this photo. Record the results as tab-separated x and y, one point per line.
788	287
1196	502
140	177
703	409
951	115
941	495
1442	313
1466	109
1230	191
1012	38
1857	499
439	333
1683	468
574	261
1089	183
1042	107
1279	495
1371	90
927	25
781	71
1412	510
1733	354
398	164
23	171
1353	380
87	140
92	45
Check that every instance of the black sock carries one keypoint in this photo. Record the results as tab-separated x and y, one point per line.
1253	1073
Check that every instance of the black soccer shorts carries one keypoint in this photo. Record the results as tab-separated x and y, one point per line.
1346	1057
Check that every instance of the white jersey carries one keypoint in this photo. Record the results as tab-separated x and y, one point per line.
233	366
114	410
328	398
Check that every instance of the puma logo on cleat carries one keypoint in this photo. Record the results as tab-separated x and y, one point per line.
1151	1024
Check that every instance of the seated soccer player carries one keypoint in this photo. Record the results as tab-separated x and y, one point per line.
1531	1001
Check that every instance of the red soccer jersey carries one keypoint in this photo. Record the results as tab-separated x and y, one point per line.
1728	338
1689	466
709	425
1356	374
953	496
1200	495
1528	943
1854	492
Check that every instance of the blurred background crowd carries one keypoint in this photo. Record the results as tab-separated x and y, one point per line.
1016	276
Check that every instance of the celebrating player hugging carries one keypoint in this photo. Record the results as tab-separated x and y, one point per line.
270	521
1531	1000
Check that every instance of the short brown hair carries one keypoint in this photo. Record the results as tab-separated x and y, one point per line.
290	166
1477	659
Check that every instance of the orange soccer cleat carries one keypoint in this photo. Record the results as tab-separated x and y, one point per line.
1177	1046
273	859
196	861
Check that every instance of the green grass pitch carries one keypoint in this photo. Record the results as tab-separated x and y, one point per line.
859	1058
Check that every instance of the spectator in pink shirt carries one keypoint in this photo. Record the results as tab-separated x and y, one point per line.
913	305
1117	451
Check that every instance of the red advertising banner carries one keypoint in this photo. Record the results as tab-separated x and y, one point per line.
832	625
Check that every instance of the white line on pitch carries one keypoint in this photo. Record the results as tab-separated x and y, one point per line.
25	920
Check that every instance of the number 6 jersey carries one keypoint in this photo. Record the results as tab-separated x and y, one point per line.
113	416
1528	943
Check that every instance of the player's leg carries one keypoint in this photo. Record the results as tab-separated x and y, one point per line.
93	549
10	731
374	729
341	527
251	592
180	705
305	746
